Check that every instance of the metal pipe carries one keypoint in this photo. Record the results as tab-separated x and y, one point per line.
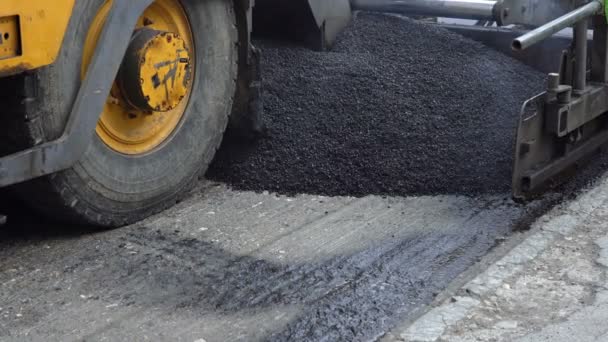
580	53
463	9
554	26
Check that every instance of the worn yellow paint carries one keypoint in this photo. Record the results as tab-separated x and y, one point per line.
10	38
42	25
121	127
164	63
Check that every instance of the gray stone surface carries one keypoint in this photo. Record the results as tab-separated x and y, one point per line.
551	287
240	266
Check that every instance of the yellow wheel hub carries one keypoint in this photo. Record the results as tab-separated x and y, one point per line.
154	76
153	86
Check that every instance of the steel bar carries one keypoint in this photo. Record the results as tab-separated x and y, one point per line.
464	9
554	26
580	53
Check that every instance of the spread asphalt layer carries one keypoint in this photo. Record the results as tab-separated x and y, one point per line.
386	112
240	266
551	286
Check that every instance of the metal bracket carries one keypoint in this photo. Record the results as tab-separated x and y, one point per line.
531	12
247	110
564	117
541	156
64	152
567	123
316	23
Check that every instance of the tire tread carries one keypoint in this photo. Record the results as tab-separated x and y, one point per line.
53	195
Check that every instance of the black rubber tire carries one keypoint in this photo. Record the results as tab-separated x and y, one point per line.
106	188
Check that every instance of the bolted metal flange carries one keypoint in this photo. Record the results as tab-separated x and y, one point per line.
155	72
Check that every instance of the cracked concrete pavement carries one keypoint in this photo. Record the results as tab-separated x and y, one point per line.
550	287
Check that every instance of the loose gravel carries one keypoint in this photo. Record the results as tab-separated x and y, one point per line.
398	107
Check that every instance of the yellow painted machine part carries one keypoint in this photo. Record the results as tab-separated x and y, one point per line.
130	131
42	25
159	51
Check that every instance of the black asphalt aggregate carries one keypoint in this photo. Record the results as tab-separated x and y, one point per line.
398	107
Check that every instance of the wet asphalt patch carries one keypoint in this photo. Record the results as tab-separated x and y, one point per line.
398	107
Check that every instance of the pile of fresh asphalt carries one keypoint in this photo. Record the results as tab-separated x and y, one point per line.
398	107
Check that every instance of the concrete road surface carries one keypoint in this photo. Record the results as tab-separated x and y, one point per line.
241	266
550	287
